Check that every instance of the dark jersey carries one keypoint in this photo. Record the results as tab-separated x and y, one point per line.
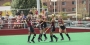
29	23
60	21
53	23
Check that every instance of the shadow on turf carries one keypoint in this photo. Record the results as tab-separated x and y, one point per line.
62	41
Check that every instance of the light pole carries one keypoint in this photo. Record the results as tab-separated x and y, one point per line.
76	10
54	5
38	6
89	7
76	13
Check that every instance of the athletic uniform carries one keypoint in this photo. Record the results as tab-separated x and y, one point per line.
30	27
40	28
61	24
41	25
44	24
63	28
52	30
53	26
44	28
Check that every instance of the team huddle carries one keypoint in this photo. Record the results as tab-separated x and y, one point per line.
42	28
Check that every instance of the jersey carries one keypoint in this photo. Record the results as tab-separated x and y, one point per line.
60	21
29	23
53	23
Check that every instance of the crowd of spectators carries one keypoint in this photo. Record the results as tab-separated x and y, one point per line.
18	21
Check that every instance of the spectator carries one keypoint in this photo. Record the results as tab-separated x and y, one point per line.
17	25
30	12
36	12
8	20
17	13
69	22
1	23
22	15
0	14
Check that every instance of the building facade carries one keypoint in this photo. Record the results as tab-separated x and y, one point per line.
68	6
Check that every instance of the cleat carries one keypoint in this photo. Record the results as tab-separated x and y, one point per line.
33	41
41	39
29	42
38	40
62	39
69	39
56	39
45	39
50	41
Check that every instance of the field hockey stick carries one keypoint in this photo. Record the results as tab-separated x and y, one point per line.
47	30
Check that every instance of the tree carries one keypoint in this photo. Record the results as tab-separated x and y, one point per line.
64	15
82	10
7	4
23	4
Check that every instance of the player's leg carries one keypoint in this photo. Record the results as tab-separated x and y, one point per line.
51	36
54	35
33	37
29	35
67	34
40	35
32	30
44	33
60	31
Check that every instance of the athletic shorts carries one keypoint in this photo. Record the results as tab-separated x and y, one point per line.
52	28
40	27
44	25
31	29
63	27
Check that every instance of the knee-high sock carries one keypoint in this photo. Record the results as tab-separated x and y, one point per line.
61	35
51	37
29	37
54	36
39	37
34	36
68	35
45	35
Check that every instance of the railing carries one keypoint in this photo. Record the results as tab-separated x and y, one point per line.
78	24
68	24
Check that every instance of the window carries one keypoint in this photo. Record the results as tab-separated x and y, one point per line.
64	9
1	0
45	3
63	3
54	2
73	9
73	2
55	10
83	1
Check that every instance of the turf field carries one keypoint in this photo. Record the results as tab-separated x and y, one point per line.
76	39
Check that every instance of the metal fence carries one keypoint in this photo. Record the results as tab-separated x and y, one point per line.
68	24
